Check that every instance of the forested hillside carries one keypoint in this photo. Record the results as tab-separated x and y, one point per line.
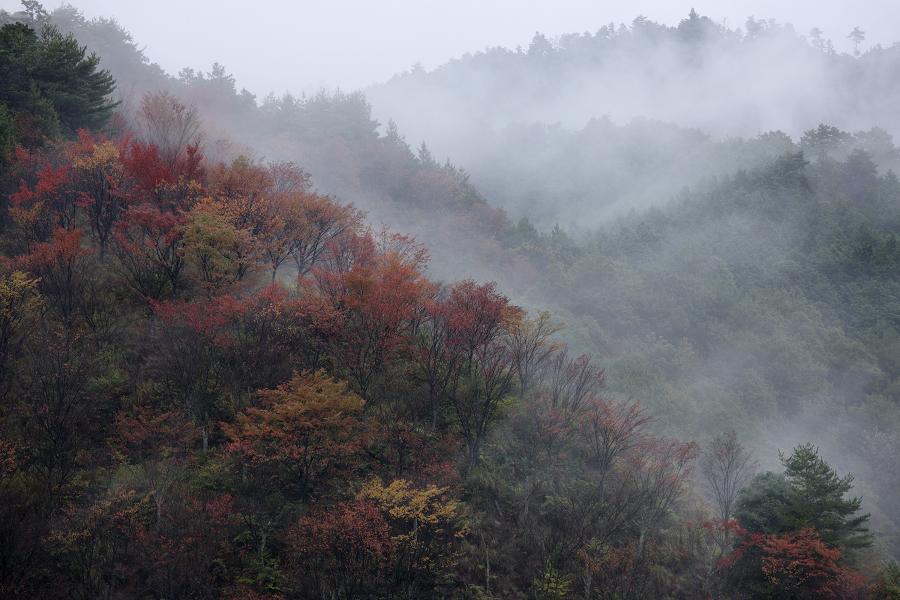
627	115
726	81
270	349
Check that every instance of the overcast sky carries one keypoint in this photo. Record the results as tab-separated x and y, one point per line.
353	43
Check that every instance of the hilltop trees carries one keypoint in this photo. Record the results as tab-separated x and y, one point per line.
857	36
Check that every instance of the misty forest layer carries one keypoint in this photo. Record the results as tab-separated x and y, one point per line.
629	349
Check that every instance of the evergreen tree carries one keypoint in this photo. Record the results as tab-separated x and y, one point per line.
857	36
817	499
761	504
72	81
49	84
425	156
809	494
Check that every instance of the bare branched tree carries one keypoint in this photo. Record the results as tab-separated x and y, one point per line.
531	346
169	125
726	466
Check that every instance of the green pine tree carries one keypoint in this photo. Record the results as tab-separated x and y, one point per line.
817	499
808	494
49	84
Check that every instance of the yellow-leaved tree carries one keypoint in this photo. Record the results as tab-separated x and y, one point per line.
425	525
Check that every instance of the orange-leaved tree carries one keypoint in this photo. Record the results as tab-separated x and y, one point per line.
301	434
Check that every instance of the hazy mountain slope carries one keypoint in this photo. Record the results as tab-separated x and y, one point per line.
533	126
697	74
767	302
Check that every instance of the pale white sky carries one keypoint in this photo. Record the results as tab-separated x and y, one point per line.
285	45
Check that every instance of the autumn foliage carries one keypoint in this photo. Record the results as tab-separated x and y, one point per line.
796	565
302	433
